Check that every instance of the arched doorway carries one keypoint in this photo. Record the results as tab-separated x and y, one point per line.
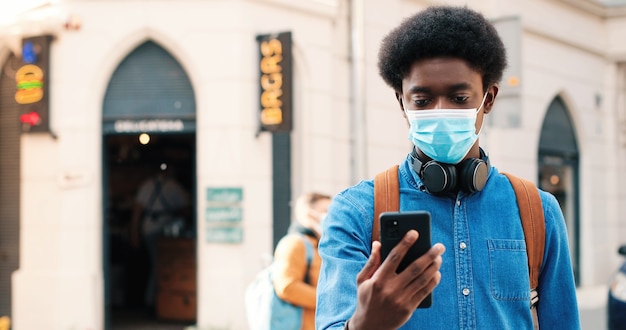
558	170
149	128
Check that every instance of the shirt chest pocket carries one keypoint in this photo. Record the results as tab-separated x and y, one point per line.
508	271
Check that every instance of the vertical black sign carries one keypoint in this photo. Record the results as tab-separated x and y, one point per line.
32	79
276	82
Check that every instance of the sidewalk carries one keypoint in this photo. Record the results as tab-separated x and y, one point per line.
592	307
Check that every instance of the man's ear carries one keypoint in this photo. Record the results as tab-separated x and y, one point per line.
492	92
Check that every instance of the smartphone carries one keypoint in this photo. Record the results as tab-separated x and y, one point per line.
393	227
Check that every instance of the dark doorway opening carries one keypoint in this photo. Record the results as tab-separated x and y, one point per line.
128	164
559	170
10	133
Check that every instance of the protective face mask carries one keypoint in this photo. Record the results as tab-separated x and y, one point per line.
445	135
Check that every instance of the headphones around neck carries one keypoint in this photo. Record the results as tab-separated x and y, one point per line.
469	176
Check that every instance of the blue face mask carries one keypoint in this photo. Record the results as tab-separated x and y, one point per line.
445	135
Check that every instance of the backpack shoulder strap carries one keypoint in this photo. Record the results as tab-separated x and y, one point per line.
531	213
386	196
309	256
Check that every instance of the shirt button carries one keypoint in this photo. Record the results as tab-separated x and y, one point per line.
462	245
458	203
466	292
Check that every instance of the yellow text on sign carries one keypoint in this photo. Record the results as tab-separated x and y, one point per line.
271	82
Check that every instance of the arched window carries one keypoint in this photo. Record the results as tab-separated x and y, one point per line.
149	84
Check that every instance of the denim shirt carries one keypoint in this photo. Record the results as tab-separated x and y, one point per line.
484	274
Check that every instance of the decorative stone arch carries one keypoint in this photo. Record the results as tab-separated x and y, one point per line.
558	169
121	49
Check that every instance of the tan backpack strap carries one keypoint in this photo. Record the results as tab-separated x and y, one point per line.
386	196
531	212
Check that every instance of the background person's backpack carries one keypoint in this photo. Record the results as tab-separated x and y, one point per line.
387	198
264	309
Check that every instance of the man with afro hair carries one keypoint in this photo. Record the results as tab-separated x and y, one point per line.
444	65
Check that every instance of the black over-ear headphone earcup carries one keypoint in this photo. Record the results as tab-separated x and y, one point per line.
439	178
473	174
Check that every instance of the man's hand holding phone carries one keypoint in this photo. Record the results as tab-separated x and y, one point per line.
386	298
393	226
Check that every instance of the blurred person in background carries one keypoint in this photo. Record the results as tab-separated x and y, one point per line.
291	280
160	202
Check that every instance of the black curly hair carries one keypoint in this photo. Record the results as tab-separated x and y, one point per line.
442	31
